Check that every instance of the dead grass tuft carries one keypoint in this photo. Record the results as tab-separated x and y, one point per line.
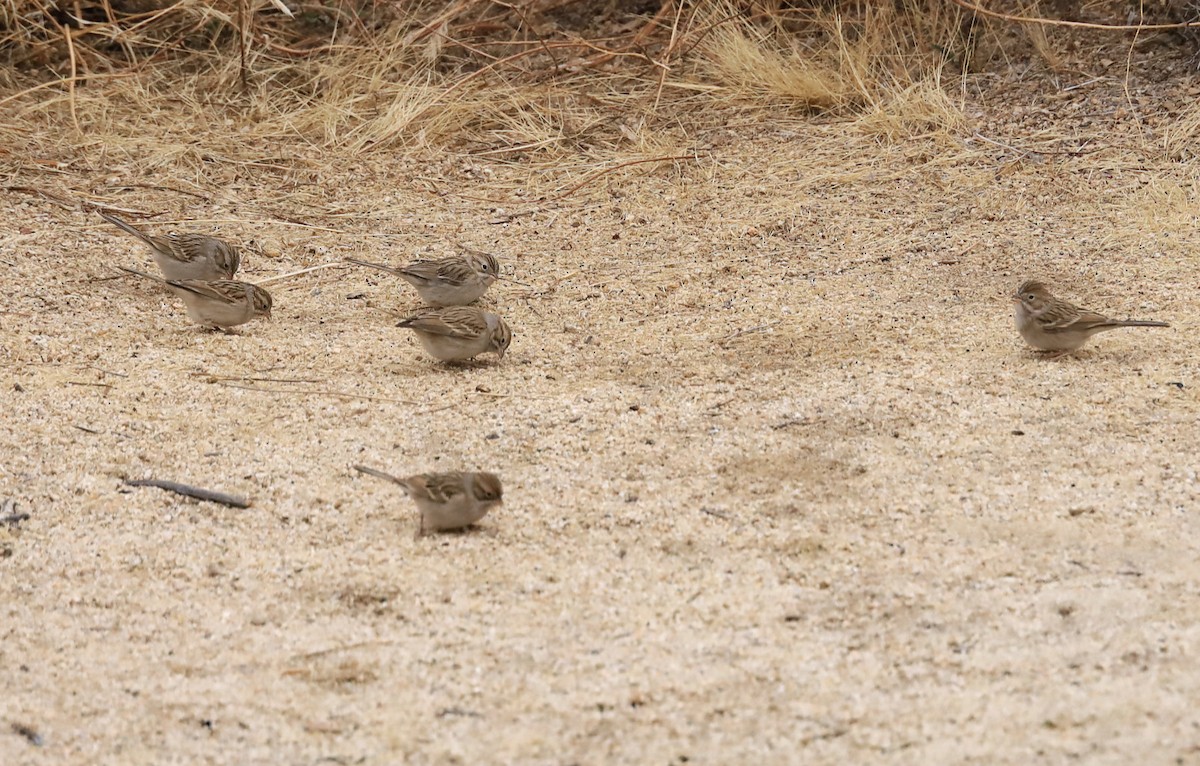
192	82
746	61
1181	140
1039	38
883	68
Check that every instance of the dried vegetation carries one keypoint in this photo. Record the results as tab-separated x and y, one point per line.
543	78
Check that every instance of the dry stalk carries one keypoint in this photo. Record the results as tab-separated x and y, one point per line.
1077	24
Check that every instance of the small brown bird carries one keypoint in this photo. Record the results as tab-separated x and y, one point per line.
454	281
457	333
1051	324
217	304
449	500
186	256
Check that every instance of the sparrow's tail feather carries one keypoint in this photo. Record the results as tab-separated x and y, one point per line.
125	227
370	265
1137	323
379	474
143	274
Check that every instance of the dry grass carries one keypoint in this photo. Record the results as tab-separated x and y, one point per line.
881	66
408	82
1181	140
1039	37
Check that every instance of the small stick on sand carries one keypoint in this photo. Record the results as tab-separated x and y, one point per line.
29	733
189	491
11	517
747	331
718	514
290	274
593	176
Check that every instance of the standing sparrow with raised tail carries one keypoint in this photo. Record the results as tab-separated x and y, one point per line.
1051	324
220	303
457	333
186	256
448	500
454	281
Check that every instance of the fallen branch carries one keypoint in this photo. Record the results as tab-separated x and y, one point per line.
190	491
11	517
1061	23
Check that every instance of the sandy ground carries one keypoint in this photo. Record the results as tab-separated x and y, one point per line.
782	483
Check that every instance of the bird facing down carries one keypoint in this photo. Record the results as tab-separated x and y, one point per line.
186	256
457	333
454	281
218	304
1051	324
448	500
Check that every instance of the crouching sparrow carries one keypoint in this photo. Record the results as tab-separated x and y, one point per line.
186	256
457	333
218	304
1051	324
454	281
447	500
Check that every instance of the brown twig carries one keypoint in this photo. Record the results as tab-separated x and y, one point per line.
747	331
525	20
641	35
242	13
29	733
664	66
606	171
218	378
717	514
11	517
190	491
438	21
70	81
106	372
51	196
290	274
66	33
1062	23
162	187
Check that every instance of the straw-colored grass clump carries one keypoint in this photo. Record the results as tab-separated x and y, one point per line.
539	78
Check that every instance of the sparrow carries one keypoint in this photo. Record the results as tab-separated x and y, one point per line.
447	500
453	281
220	303
1051	324
457	333
186	256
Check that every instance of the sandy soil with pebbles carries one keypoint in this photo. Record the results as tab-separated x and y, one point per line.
782	483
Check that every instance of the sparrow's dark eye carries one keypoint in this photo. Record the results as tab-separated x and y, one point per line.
1029	297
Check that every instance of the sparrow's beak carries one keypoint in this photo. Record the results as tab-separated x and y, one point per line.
1016	299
